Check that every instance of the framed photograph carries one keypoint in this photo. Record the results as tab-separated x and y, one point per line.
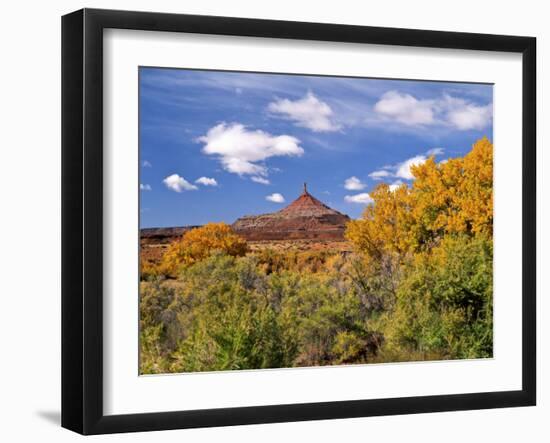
269	221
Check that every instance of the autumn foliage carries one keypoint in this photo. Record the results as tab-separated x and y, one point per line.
199	243
432	243
451	197
418	286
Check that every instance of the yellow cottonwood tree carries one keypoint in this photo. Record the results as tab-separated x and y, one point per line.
452	197
456	196
386	225
199	243
431	245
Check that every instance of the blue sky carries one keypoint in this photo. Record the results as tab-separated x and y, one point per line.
218	145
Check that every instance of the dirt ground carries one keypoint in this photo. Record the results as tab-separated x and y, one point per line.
153	252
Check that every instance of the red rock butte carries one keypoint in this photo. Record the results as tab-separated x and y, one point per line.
304	218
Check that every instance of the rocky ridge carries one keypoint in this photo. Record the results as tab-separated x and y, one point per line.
304	218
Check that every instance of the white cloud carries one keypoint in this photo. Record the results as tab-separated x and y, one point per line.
449	111
239	150
403	169
395	185
405	108
275	198
354	184
379	175
363	198
144	187
466	116
435	151
147	164
308	112
178	184
261	180
206	181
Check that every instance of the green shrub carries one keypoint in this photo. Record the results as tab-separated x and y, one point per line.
444	302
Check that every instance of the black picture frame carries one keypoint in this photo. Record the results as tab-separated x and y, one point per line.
82	218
